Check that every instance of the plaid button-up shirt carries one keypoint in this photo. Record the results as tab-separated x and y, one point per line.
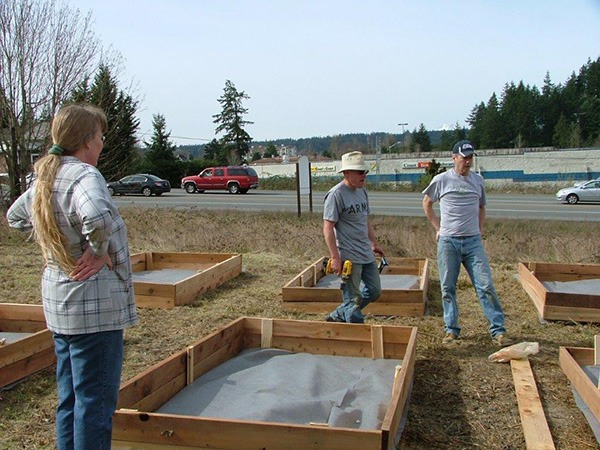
87	217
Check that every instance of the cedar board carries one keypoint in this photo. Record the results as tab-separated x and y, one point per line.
535	426
28	355
136	425
572	360
300	294
214	269
559	305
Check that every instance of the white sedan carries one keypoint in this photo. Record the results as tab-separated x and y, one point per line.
586	192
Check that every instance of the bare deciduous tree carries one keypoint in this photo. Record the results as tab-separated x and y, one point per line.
46	48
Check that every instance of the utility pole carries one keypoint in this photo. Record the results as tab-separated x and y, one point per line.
377	158
403	124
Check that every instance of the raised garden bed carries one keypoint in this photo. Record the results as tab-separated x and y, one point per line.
138	424
28	344
563	291
403	289
579	366
166	280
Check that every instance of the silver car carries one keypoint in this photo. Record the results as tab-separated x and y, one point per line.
586	192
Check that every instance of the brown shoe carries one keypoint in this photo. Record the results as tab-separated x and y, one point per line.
502	340
449	338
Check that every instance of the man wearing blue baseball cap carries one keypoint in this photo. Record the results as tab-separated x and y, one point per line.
458	233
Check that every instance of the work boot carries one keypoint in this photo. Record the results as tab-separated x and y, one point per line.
502	340
449	338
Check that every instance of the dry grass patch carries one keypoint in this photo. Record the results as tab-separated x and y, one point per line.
459	400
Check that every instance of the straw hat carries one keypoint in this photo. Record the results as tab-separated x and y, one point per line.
353	161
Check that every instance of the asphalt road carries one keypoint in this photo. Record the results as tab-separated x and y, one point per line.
382	203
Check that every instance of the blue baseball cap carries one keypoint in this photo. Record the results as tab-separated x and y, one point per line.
464	148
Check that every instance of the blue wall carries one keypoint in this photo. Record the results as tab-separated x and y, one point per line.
512	175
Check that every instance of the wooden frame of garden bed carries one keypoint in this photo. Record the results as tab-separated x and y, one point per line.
136	425
572	360
32	353
300	294
559	305
214	269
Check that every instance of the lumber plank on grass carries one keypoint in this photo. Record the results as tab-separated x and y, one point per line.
535	427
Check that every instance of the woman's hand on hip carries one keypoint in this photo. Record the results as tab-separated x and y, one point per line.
89	265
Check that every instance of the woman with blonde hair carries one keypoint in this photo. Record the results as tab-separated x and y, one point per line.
87	290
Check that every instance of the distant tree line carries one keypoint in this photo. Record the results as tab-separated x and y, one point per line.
564	115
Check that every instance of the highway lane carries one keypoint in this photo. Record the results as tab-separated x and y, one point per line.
510	206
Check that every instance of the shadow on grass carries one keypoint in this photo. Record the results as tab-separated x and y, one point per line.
436	413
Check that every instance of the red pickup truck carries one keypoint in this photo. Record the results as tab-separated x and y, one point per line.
235	179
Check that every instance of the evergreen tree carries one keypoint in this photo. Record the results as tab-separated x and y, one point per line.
446	142
119	156
231	121
562	133
270	151
519	111
160	159
588	114
432	169
476	121
459	134
160	148
492	127
421	141
215	153
550	110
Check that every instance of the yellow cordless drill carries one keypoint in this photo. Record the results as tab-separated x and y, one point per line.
346	270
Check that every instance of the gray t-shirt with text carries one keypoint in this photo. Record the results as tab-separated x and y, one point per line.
349	209
460	198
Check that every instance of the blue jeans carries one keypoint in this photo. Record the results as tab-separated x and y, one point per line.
468	251
88	373
357	295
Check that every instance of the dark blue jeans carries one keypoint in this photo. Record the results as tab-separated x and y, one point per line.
88	373
362	288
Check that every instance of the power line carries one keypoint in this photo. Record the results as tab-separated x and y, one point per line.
179	137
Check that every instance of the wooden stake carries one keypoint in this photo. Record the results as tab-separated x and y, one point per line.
149	261
597	353
190	365
266	333
377	341
396	384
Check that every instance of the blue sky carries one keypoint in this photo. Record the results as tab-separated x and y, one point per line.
325	67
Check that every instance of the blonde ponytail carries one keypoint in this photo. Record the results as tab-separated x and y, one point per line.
45	226
72	127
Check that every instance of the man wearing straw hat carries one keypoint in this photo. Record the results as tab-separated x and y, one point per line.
349	236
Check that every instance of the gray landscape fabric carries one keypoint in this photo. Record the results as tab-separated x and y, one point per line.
271	385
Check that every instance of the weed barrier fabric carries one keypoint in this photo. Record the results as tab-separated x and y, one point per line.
166	276
592	372
387	282
13	337
271	385
586	287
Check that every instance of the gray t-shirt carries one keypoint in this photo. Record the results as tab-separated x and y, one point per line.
349	209
460	199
